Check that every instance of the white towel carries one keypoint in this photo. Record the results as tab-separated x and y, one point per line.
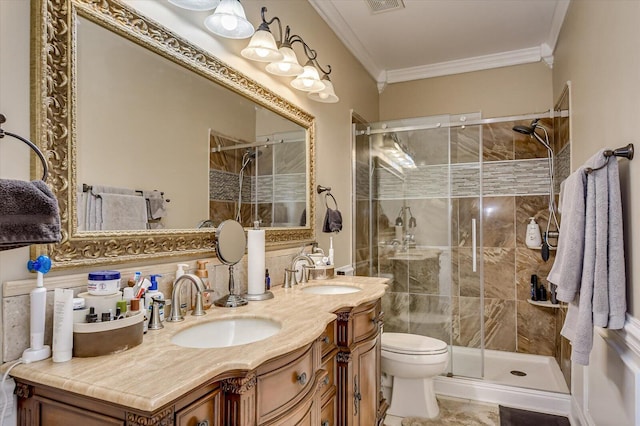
589	266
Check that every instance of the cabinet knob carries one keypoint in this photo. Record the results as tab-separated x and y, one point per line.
302	379
325	423
326	380
326	340
203	423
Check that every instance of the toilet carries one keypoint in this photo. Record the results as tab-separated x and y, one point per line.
412	361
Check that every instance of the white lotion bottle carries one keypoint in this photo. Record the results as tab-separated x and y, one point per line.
533	238
62	325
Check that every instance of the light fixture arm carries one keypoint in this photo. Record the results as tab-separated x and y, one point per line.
309	52
264	26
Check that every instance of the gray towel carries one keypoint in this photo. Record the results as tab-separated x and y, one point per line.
28	214
589	267
156	208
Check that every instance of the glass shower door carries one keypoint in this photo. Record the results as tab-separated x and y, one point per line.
423	191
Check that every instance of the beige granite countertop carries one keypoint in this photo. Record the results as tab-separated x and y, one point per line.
158	372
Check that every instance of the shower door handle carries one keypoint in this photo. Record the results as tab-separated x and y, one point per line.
474	244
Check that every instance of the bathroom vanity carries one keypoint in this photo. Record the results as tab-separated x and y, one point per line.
321	368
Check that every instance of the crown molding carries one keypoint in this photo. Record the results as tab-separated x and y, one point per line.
478	63
341	28
543	52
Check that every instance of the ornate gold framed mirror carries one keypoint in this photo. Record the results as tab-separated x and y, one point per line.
59	118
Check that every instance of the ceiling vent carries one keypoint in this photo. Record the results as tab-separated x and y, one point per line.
379	6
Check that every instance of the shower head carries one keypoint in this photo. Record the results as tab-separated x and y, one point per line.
527	130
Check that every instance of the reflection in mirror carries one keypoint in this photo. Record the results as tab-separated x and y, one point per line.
166	138
264	183
155	139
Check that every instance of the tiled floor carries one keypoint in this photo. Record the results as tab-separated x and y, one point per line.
454	412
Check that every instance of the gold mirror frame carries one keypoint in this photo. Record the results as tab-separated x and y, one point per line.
54	131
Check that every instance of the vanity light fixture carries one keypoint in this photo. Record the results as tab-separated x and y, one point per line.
229	21
326	95
309	80
197	5
288	66
262	46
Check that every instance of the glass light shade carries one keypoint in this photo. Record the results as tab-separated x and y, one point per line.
309	80
288	66
197	5
326	95
262	48
229	21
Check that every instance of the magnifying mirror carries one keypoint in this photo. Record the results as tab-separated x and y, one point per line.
230	247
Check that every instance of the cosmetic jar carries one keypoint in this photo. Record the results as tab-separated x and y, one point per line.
102	283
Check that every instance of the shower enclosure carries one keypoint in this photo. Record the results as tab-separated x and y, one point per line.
441	206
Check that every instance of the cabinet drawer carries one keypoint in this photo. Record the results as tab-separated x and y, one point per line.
205	409
328	413
330	379
366	322
291	378
328	339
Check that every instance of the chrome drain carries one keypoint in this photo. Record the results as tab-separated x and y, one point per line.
518	373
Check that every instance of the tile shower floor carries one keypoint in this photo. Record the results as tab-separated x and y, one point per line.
454	412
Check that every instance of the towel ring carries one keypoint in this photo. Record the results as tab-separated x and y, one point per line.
45	172
327	195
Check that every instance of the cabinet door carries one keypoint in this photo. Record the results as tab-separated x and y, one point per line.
366	384
203	412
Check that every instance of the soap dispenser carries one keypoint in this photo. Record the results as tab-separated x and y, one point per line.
153	293
533	238
204	276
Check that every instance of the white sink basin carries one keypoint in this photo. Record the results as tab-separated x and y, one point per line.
330	289
226	332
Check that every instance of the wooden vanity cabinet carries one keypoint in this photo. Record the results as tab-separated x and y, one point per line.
360	401
332	381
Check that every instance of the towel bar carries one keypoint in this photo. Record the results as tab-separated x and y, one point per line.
45	172
625	152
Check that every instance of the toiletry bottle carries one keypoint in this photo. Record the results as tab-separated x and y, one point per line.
127	295
534	287
552	291
533	238
185	289
267	280
137	308
204	276
154	293
330	250
542	293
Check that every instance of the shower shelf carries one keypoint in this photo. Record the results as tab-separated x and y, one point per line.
546	304
540	248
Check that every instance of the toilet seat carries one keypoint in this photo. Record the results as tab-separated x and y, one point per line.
412	344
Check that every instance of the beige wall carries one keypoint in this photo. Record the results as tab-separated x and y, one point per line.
498	92
604	68
357	91
598	52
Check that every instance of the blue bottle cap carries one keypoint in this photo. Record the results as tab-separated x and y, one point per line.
154	282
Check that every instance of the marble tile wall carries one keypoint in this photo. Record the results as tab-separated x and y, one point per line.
515	181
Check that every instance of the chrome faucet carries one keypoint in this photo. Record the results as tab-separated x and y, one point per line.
176	316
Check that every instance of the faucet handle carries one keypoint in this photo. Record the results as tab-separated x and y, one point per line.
155	323
305	273
198	310
289	277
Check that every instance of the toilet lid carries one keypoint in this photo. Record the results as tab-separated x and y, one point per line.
412	344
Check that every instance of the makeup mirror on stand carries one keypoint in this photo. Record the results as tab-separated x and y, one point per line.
230	246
